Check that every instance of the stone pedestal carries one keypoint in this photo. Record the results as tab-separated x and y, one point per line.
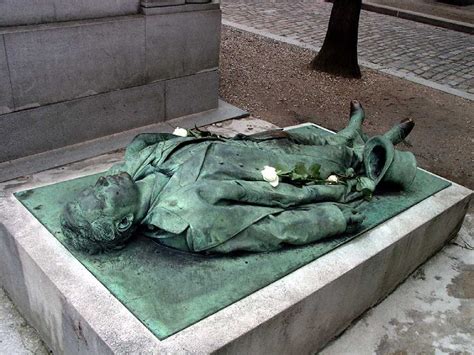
76	71
298	313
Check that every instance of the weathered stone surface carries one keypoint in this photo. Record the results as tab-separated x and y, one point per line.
191	94
432	311
55	63
197	1
182	43
50	159
213	5
159	3
16	337
26	12
53	126
6	98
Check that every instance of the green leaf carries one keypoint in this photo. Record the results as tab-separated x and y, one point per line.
197	133
314	171
281	170
300	170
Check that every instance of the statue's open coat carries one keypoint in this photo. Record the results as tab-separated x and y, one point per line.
209	193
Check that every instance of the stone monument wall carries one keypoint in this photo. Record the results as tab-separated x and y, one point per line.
28	12
77	70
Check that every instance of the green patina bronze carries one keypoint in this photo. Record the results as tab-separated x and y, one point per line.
219	195
169	289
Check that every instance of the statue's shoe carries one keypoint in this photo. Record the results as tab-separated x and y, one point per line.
355	106
400	131
357	115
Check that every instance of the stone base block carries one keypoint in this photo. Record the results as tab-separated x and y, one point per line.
39	66
121	73
127	116
26	12
50	127
191	94
188	7
64	61
181	42
159	3
54	126
299	313
197	1
168	3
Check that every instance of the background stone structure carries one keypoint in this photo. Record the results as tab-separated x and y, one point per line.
77	70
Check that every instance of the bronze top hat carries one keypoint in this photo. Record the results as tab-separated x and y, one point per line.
385	164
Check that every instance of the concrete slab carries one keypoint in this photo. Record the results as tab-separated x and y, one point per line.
162	10
30	131
159	3
146	107
6	98
198	91
16	336
53	63
430	313
182	43
78	75
23	12
247	125
298	313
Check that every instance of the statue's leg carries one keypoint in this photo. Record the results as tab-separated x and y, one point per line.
352	134
357	116
400	131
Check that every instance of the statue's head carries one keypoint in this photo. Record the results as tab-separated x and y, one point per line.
102	217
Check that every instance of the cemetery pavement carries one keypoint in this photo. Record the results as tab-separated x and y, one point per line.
16	336
438	57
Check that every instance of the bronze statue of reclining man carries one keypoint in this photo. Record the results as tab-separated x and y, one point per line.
247	193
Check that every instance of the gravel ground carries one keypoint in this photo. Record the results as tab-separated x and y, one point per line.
272	81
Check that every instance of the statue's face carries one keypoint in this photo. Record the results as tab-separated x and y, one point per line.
102	216
114	197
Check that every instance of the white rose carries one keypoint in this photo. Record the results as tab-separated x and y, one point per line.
332	178
269	174
180	132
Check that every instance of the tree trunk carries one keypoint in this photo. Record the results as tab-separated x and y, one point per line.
338	55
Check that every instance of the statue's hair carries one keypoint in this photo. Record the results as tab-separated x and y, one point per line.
90	236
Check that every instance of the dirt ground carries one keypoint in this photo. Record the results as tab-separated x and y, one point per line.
433	8
271	80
